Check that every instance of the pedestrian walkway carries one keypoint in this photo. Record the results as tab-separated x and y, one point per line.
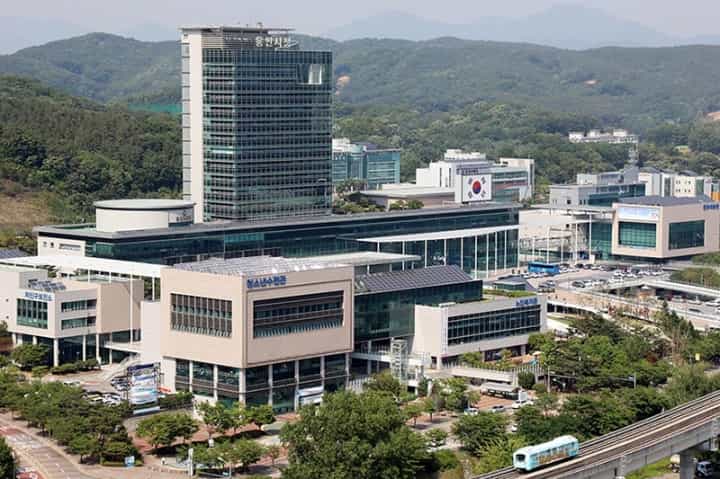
35	453
54	463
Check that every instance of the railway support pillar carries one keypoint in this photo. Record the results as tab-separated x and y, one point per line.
687	464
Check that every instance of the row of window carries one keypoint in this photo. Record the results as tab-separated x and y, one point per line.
472	328
201	315
274	317
637	235
77	323
31	313
81	305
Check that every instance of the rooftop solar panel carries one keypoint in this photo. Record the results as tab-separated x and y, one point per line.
411	279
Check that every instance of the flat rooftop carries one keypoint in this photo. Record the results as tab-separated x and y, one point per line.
665	200
365	258
257	265
12	253
574	208
88	231
409	191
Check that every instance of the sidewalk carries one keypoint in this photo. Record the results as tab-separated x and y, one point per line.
54	463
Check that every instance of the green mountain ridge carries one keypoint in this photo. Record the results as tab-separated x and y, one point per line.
633	87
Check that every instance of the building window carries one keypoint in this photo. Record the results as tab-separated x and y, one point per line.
200	315
33	314
203	378
471	328
689	234
77	323
297	314
637	235
81	305
315	74
182	375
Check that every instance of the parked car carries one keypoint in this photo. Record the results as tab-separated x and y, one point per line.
471	411
498	409
520	403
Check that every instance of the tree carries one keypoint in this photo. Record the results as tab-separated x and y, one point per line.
414	204
7	461
436	437
85	445
413	411
362	436
498	453
387	383
679	332
526	380
452	391
476	431
260	415
274	451
217	417
163	429
27	355
431	405
597	415
245	452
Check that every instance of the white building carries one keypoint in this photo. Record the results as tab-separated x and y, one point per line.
685	184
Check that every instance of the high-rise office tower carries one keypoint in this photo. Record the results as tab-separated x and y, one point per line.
257	122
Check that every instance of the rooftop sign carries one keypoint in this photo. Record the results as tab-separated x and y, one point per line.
267	282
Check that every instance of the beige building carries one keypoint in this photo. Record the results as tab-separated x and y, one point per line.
665	227
260	329
488	326
75	319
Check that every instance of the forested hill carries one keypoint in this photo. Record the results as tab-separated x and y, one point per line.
632	87
79	151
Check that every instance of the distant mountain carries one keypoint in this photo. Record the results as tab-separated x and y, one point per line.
563	26
100	66
20	32
635	87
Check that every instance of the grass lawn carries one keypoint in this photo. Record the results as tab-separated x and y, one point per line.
653	470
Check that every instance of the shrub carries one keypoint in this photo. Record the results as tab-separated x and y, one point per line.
445	460
526	380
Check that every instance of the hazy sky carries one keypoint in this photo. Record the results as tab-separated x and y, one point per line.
685	17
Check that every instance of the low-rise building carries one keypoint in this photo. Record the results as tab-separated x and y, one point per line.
598	189
664	227
259	330
365	161
75	319
678	184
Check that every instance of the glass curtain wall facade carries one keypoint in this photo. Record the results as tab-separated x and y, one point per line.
311	238
266	132
688	234
391	314
637	235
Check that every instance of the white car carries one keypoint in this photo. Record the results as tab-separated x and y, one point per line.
518	404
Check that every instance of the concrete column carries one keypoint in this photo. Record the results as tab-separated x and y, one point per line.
505	255
97	348
426	253
296	399
153	288
130	294
462	259
445	251
34	339
403	263
56	352
476	257
547	246
487	255
241	385
15	338
347	369
190	375
590	237
270	382
687	464
322	371
496	241
84	346
215	381
439	362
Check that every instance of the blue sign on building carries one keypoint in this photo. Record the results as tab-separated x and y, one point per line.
270	281
711	206
37	296
522	302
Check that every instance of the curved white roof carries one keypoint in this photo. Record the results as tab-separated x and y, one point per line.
144	204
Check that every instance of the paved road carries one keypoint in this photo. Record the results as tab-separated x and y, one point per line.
49	462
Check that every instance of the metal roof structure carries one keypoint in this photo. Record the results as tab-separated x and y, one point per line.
12	253
665	200
84	231
257	265
365	258
411	279
70	264
143	204
440	235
